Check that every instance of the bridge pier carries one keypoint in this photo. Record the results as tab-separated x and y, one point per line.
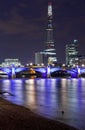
48	72
13	74
78	69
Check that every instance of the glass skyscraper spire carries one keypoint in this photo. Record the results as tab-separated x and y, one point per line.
50	51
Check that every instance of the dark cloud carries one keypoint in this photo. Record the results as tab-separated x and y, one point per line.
23	22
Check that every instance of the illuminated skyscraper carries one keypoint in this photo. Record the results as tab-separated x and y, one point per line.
72	53
50	51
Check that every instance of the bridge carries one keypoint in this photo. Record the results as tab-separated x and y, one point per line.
44	72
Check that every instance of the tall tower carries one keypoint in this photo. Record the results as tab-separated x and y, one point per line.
49	51
72	53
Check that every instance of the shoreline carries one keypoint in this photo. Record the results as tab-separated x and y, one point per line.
15	117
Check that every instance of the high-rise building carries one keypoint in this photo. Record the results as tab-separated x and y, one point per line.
38	58
50	51
72	53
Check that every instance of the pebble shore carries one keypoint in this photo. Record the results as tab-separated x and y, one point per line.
15	117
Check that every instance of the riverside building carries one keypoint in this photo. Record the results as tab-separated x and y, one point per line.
72	53
50	51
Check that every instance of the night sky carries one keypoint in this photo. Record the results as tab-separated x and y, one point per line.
23	24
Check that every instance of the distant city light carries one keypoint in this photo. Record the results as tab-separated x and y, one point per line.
75	41
31	64
83	65
42	64
63	65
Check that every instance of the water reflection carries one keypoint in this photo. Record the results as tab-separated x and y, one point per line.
30	93
49	97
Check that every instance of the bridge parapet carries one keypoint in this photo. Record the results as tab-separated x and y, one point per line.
45	71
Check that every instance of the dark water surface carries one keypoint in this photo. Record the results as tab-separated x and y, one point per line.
48	97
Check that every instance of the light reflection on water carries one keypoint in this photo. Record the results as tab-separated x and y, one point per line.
49	97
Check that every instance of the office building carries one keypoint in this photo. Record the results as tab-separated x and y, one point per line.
39	58
72	53
81	60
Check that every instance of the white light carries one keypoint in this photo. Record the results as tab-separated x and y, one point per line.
42	64
53	64
74	65
49	10
27	64
82	65
31	63
63	65
75	41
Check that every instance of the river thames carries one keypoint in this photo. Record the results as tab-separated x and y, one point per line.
49	97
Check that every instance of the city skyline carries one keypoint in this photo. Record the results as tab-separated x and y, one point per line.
23	24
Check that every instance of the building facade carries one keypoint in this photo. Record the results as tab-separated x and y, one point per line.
39	58
50	51
72	53
81	60
11	62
